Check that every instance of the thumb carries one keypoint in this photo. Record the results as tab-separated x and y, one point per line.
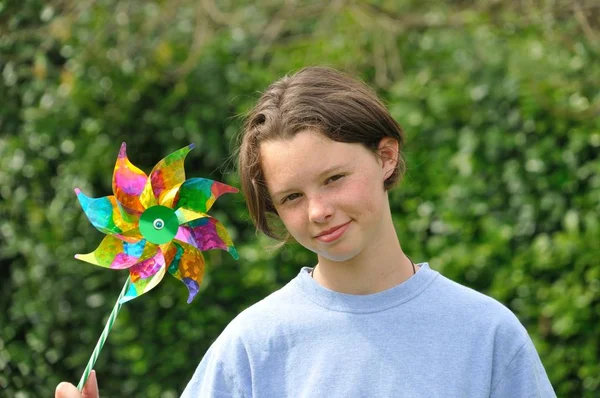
66	390
90	390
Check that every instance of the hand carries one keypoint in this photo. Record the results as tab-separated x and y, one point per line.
68	390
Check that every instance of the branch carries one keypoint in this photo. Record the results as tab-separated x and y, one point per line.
217	16
201	36
583	22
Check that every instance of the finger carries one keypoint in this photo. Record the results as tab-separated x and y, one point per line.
90	390
66	390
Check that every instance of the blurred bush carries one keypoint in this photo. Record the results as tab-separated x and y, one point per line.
500	103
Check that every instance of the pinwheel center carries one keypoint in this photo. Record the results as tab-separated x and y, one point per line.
159	224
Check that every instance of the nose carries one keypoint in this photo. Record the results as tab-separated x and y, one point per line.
319	209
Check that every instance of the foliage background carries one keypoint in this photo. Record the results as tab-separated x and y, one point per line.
501	106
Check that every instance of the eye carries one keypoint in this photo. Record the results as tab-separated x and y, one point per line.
333	178
290	198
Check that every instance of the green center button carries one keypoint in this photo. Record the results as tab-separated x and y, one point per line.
159	224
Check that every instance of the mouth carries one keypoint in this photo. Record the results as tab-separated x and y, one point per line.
333	233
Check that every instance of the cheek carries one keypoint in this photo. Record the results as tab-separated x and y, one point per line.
292	219
365	196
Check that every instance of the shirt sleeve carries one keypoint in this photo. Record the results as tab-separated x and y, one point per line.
223	372
524	376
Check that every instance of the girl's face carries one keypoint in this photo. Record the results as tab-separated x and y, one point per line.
330	194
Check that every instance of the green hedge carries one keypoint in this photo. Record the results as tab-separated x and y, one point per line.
501	110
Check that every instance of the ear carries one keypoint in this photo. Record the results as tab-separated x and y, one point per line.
388	155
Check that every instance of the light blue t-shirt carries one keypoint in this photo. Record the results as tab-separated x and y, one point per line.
427	337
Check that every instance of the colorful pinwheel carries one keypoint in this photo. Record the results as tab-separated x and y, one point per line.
156	224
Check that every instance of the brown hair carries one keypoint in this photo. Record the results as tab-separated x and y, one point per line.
316	98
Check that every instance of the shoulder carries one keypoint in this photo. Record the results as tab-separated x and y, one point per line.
478	310
226	368
499	337
264	317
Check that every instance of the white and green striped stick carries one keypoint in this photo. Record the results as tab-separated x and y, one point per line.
103	337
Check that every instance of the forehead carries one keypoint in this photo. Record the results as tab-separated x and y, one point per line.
304	157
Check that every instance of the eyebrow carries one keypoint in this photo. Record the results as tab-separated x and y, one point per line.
321	175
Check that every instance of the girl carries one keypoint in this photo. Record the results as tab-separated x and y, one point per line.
319	153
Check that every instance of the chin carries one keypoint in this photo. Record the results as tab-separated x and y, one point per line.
338	256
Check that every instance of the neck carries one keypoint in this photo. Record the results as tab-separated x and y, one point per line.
381	267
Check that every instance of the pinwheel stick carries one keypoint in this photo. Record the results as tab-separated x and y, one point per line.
103	337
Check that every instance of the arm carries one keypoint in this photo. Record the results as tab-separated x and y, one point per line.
524	376
223	372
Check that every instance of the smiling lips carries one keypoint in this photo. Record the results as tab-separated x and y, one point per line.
332	234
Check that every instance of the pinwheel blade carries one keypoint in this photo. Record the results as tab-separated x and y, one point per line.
104	214
205	234
128	183
145	276
132	236
188	267
167	174
168	196
117	254
184	216
199	194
